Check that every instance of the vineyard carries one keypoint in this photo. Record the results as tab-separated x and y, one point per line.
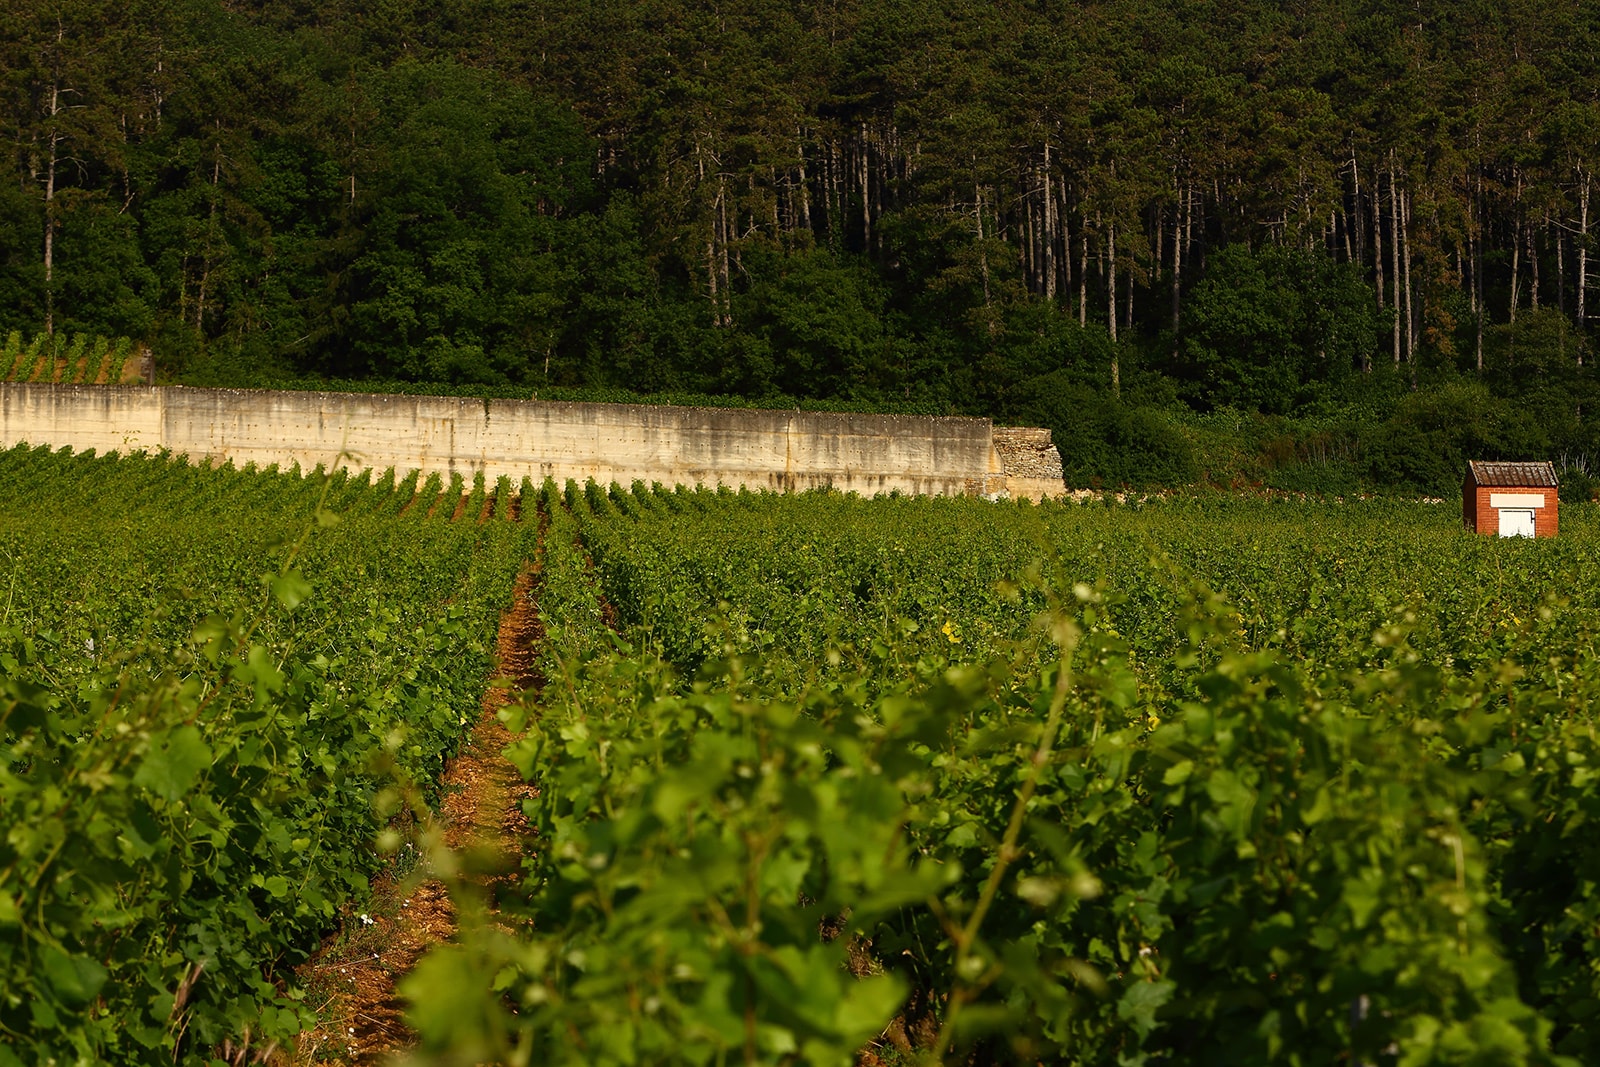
213	682
78	359
818	779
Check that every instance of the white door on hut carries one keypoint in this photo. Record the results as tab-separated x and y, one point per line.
1516	522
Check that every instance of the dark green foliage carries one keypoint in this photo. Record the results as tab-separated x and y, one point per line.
1540	351
1046	348
21	273
1269	330
818	326
461	273
1578	485
1425	445
103	283
1105	443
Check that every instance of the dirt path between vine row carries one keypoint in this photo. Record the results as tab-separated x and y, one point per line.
351	982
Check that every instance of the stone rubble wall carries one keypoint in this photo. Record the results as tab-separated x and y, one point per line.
1030	460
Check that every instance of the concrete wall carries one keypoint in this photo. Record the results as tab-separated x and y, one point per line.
778	450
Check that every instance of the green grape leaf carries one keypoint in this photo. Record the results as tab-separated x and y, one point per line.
1139	1004
291	589
76	979
173	763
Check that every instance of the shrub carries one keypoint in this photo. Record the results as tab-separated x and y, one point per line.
1105	442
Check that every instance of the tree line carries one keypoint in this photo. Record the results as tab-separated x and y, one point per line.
1226	203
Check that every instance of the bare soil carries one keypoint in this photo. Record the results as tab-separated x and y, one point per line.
353	978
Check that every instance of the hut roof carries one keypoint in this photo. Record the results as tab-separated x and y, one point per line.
1511	474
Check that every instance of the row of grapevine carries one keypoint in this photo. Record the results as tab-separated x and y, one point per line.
1206	781
1307	580
214	687
76	359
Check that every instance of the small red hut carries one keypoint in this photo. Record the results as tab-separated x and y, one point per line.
1510	499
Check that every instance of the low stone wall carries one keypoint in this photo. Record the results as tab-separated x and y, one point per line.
1030	460
757	449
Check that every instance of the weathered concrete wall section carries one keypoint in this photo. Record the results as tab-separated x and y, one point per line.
779	450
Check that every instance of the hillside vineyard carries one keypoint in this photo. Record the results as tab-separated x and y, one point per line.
818	778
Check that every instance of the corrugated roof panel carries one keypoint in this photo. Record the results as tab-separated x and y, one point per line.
1485	472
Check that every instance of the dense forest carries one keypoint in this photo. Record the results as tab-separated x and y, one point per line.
1322	244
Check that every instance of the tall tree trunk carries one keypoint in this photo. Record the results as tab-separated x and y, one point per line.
1111	305
805	183
1394	256
1516	251
1377	239
1177	271
127	178
1516	268
1561	269
1533	266
1111	277
1356	222
723	242
866	195
1064	238
355	142
1477	275
1583	251
711	243
1083	272
211	230
711	275
50	216
1467	265
832	195
825	188
983	253
1189	198
1405	243
1028	249
1049	248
